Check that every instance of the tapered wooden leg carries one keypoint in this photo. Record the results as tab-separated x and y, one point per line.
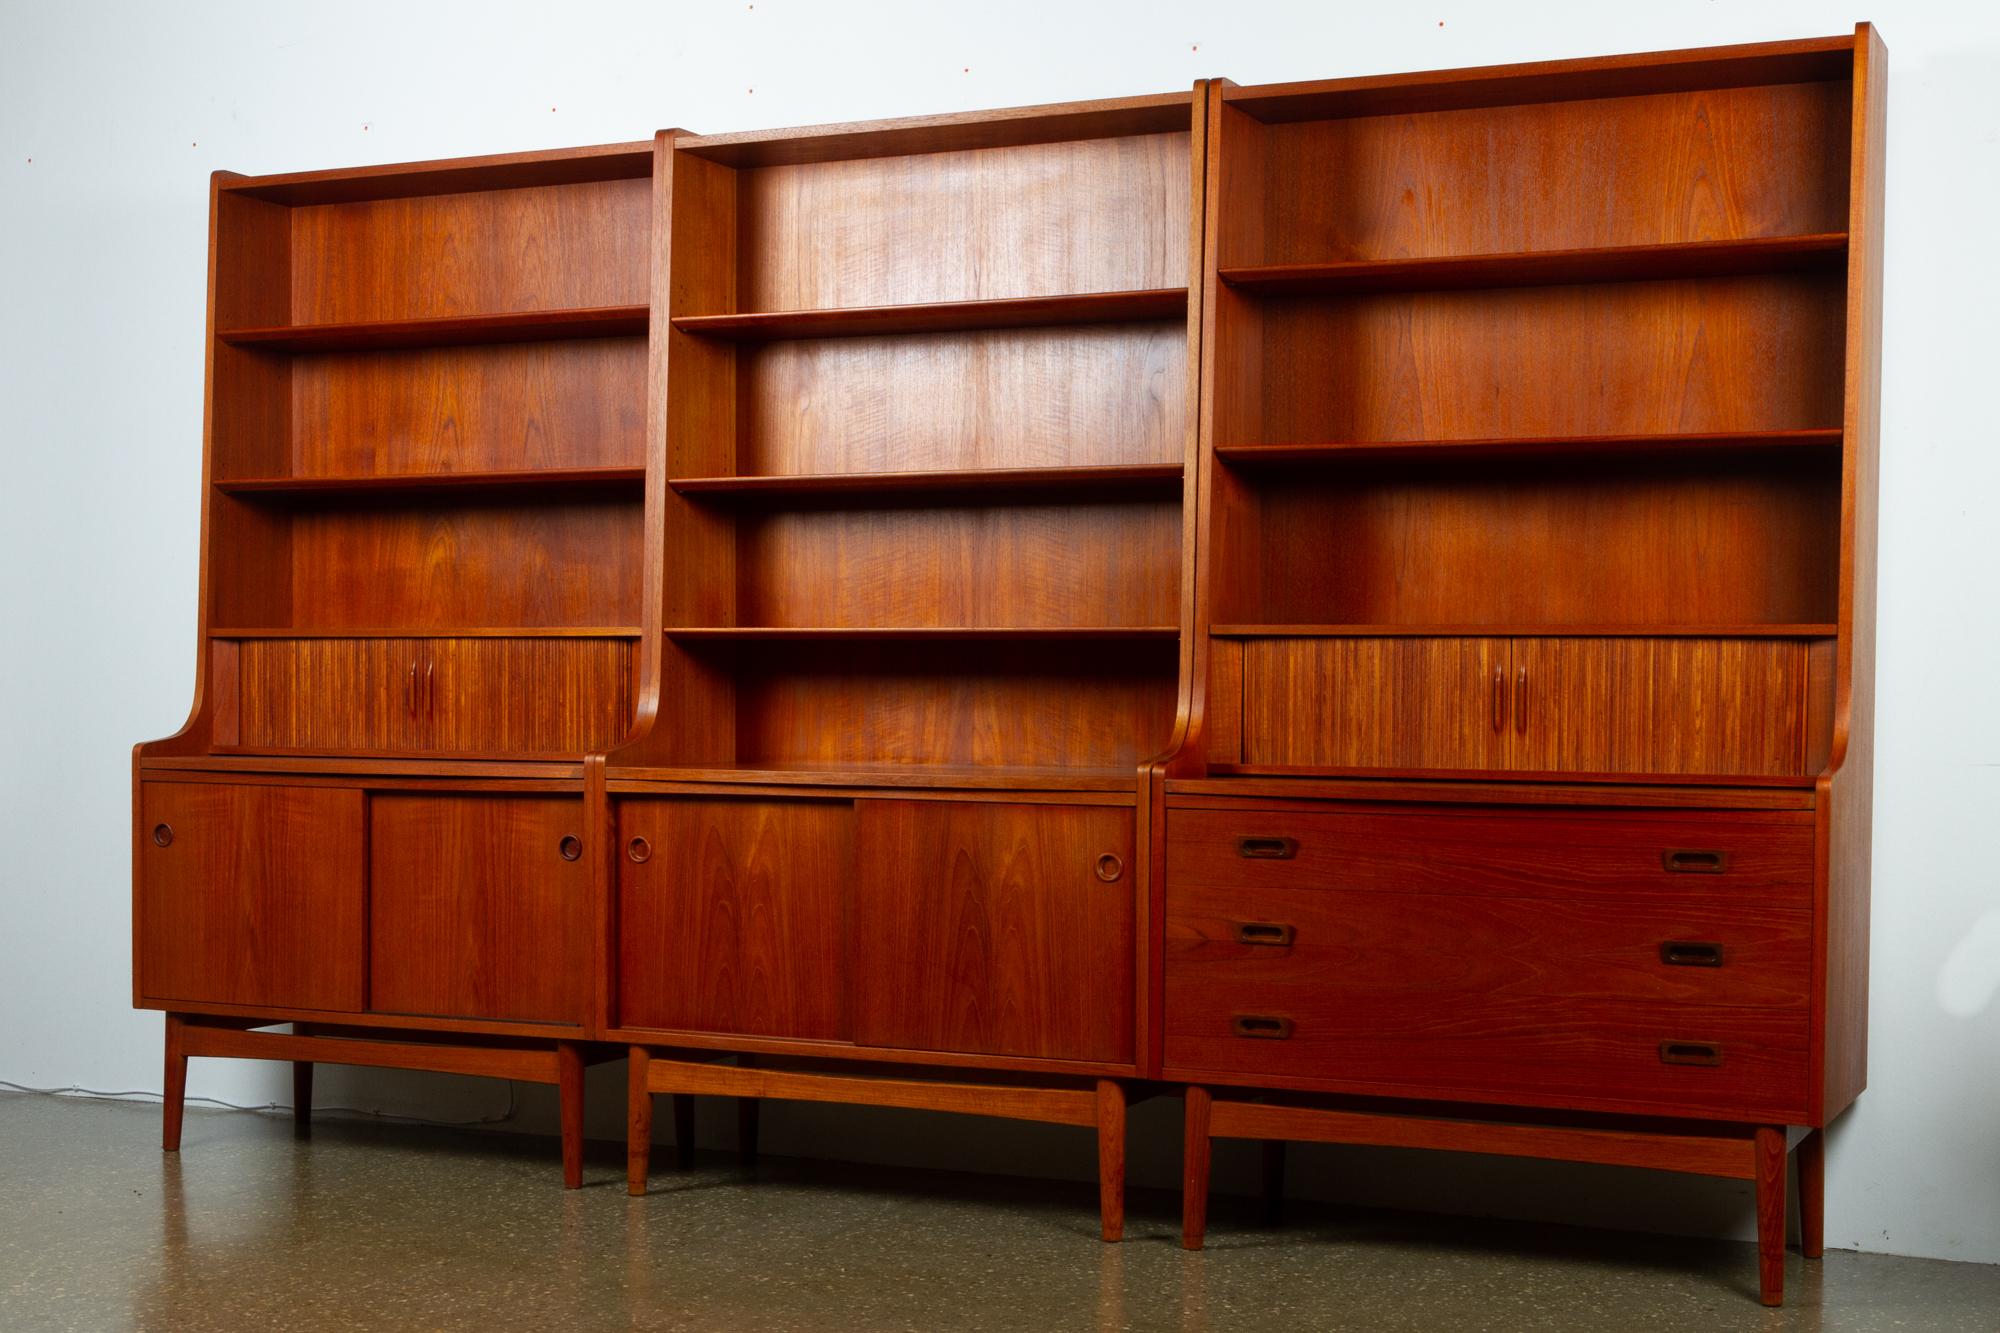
684	1129
1194	1170
746	1118
175	1096
638	1122
1274	1180
569	1099
1771	1156
302	1086
1111	1158
1812	1194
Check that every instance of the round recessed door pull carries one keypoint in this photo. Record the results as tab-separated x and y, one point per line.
639	850
163	834
570	847
1110	868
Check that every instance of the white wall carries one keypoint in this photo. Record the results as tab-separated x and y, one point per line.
112	116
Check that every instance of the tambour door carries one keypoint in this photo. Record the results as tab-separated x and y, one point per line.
250	895
1407	701
478	906
327	694
994	928
545	696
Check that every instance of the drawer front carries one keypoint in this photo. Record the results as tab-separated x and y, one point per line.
1758	858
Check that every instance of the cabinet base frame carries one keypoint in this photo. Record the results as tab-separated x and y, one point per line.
1759	1153
560	1064
1100	1105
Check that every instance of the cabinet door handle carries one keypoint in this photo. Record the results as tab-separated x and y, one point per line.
1110	868
430	692
1683	862
1499	698
1267	849
1521	701
1705	1053
570	848
639	850
163	834
1691	953
410	692
1266	1027
1264	932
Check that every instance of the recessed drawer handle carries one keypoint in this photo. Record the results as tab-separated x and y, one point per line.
1263	932
1266	1026
163	834
639	850
1268	849
1694	863
570	848
1691	953
1706	1053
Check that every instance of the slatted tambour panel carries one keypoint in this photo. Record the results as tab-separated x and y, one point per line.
1043	704
921	565
1679	705
1759	352
1001	398
481	252
1598	542
330	694
531	696
1682	166
460	409
435	567
1372	702
1101	214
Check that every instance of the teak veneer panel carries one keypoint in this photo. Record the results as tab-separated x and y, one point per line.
474	910
736	921
989	928
255	898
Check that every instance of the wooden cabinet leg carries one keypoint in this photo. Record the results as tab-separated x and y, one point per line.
1194	1170
175	1096
1111	1158
569	1098
302	1086
684	1129
1771	1158
1812	1194
1274	1181
638	1122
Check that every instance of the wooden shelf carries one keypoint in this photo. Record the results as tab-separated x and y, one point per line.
612	321
1788	631
948	633
776	772
1517	775
519	479
435	632
1607	446
941	316
1117	478
1533	268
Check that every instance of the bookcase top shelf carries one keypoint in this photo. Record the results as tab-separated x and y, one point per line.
446	331
1117	478
563	480
1333	452
942	316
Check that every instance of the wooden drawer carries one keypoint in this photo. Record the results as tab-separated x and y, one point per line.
1527	999
1762	858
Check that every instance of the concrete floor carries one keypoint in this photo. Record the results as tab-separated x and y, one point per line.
371	1225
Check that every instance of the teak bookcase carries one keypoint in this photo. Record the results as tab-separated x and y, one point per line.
1352	599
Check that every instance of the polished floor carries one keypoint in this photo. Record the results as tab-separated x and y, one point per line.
367	1225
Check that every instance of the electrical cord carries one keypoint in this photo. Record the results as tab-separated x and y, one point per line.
270	1108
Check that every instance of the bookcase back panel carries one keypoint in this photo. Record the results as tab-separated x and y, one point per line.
1726	354
437	566
540	248
1039	219
1087	705
1710	164
462	409
1111	393
1000	564
1670	542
